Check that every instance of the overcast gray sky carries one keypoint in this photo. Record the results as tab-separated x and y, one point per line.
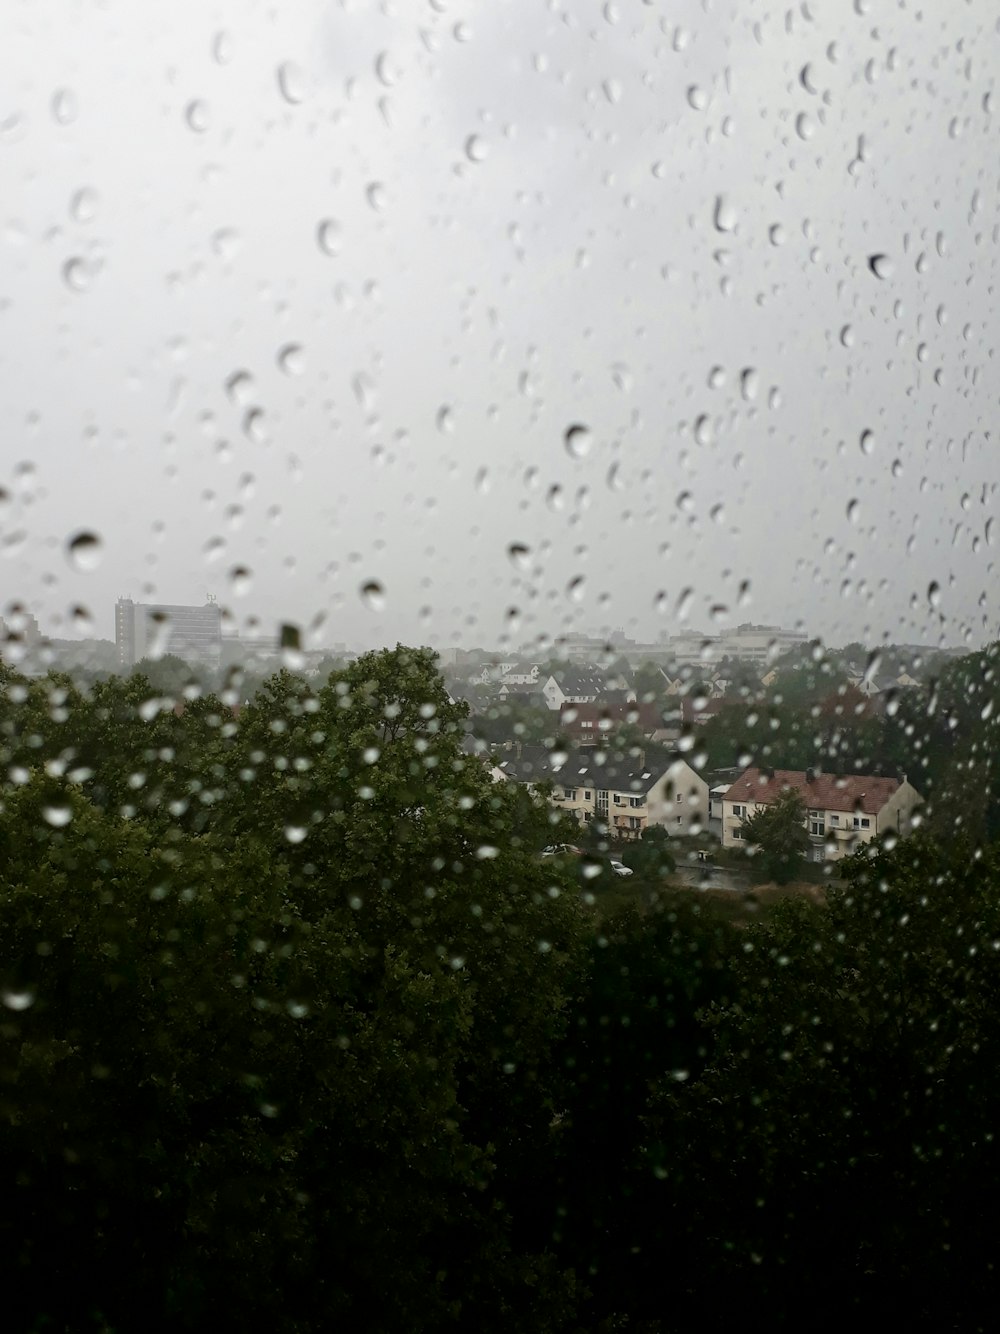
315	290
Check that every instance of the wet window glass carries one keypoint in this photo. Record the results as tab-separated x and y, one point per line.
499	690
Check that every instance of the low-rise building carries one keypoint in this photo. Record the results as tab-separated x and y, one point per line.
628	798
842	810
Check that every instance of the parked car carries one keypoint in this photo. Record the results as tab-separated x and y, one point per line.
561	850
620	868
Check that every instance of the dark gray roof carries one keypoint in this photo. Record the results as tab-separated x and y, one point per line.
576	769
579	682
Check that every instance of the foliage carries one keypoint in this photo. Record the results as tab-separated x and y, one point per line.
777	832
300	1029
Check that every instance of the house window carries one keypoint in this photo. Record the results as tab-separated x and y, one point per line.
635	802
739	811
738	833
817	825
634	822
571	794
835	819
860	823
586	794
618	800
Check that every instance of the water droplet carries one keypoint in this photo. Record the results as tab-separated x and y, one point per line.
867	441
805	126
847	336
703	429
329	236
853	511
612	91
373	595
290	359
240	580
776	234
291	83
83	205
716	377
295	833
476	149
749	384
575	588
81	620
578	441
253	425
622	377
222	48
445	420
880	265
519	556
57	816
17	1000
724	215
375	194
807	79
77	274
239	386
934	594
386	70
697	98
196	116
226	244
84	551
64	106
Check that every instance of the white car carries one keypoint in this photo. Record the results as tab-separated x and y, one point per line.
620	868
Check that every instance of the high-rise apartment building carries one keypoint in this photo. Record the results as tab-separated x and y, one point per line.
149	630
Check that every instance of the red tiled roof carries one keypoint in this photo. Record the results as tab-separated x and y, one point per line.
826	792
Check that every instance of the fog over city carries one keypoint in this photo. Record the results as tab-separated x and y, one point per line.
478	322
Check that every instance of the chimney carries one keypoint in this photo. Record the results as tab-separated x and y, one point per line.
810	775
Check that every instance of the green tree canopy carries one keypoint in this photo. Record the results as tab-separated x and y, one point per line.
778	834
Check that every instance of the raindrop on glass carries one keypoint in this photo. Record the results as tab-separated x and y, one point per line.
328	236
880	265
373	595
222	48
64	106
386	70
291	83
83	205
519	555
77	274
84	551
475	148
290	359
196	116
240	580
578	441
723	215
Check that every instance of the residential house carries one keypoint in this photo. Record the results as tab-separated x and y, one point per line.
626	797
842	811
573	685
587	724
520	674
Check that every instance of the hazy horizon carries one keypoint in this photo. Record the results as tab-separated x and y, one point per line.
305	310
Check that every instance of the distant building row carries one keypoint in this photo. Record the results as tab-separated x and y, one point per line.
842	811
